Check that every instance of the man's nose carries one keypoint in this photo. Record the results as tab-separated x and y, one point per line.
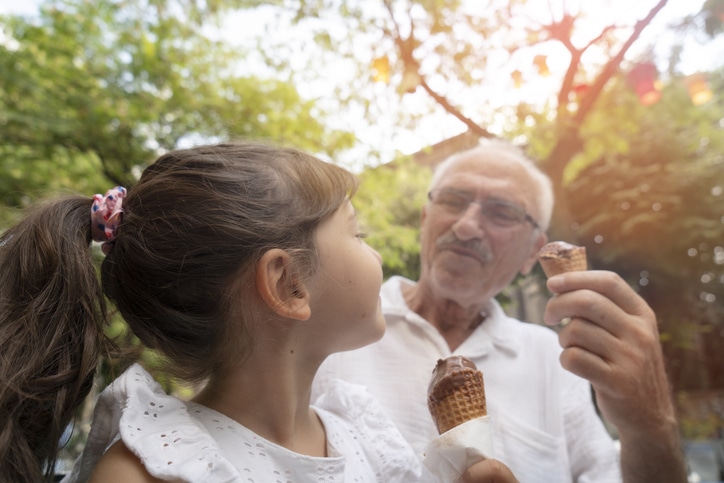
470	223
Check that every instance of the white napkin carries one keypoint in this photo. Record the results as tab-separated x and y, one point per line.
450	454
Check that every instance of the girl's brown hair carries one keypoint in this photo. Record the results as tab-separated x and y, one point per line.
193	225
52	315
192	228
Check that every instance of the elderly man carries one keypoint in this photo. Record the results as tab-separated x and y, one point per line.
484	223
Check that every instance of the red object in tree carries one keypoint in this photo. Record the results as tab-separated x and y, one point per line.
580	90
644	79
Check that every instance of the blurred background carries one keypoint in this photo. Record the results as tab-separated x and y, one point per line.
620	102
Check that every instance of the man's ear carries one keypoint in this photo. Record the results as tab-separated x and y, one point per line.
279	287
532	259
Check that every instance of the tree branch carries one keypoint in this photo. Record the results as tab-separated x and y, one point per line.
600	36
567	84
613	64
406	47
480	131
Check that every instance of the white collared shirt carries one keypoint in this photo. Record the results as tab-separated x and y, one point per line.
545	427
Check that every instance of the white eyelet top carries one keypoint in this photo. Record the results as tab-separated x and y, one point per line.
183	440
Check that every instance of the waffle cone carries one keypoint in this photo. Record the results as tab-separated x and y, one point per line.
461	403
560	257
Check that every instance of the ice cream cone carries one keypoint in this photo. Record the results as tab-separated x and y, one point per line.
559	257
456	393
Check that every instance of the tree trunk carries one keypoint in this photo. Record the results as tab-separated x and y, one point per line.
562	225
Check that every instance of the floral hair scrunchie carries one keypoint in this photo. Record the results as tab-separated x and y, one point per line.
106	216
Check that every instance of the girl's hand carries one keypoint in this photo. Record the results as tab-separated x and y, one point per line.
488	471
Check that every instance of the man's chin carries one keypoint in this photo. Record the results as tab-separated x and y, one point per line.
462	267
457	283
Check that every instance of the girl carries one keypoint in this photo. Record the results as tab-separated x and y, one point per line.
244	266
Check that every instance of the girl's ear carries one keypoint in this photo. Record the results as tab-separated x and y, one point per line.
279	287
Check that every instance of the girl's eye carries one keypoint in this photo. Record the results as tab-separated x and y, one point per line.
361	235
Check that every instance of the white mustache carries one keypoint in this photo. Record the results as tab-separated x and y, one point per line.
475	245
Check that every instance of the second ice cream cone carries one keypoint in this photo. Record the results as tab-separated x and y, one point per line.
559	257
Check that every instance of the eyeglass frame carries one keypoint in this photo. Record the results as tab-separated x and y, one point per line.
524	215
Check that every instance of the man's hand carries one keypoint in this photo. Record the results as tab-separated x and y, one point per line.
613	342
488	471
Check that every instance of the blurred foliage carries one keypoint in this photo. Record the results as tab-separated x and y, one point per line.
457	58
713	11
702	414
653	211
24	176
388	203
91	92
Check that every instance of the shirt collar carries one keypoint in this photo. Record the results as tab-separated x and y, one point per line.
495	331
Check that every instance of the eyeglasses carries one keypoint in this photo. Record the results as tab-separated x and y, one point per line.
499	212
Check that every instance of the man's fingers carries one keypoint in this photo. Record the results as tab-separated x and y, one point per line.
588	305
608	284
590	337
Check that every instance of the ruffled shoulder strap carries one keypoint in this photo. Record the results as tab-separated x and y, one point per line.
157	428
383	442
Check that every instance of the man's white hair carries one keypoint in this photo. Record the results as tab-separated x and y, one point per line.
485	150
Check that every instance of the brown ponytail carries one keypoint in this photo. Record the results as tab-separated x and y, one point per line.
52	315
